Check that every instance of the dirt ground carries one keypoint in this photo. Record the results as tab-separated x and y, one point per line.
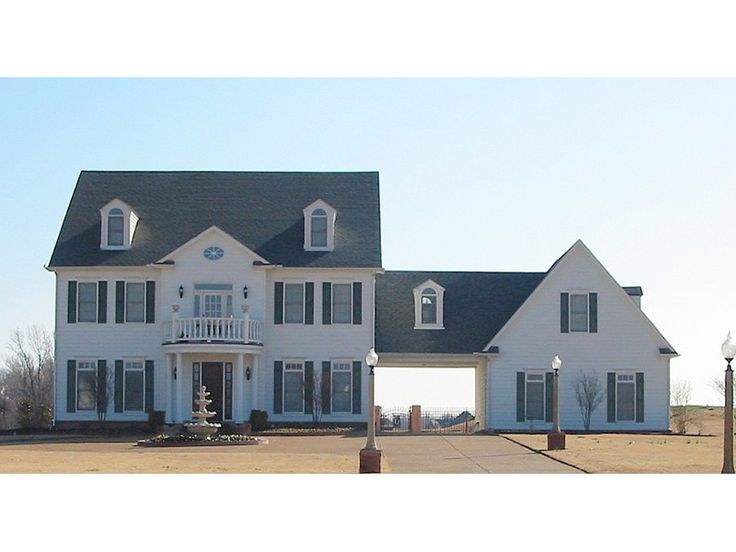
281	455
698	451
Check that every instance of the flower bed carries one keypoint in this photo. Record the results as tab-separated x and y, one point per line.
316	431
183	440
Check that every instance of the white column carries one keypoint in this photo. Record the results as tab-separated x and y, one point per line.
179	388
168	401
239	406
255	369
481	407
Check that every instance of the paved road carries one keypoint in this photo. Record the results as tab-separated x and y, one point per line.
463	454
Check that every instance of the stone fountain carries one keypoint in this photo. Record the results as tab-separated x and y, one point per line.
202	429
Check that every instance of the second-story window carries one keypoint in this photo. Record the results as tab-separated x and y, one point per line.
319	228
429	306
342	299
115	227
135	301
87	302
294	303
578	312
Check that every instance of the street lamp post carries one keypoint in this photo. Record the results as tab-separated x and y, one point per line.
370	456
556	437
729	352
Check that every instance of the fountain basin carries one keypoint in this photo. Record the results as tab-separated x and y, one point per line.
202	431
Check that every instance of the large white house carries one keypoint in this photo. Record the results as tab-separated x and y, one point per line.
268	289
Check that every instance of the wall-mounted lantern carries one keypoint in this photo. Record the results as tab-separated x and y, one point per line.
247	373
245	292
181	292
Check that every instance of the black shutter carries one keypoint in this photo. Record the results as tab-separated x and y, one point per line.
118	386
101	386
326	303
308	387
71	304
278	387
150	302
149	385
564	312
278	302
548	396
102	302
357	303
309	303
196	383
611	393
71	385
640	397
357	373
520	396
593	312
326	387
228	391
119	302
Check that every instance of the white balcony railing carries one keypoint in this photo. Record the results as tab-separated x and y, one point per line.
213	330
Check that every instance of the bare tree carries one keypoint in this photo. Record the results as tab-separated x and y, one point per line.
104	392
588	394
28	376
682	412
720	386
316	389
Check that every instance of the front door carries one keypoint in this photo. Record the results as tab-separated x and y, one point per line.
212	379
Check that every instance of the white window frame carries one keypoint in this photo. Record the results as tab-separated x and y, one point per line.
130	222
80	283
440	291
287	363
538	377
349	369
332	301
227	306
142	369
570	295
86	365
630	380
331	217
304	301
143	320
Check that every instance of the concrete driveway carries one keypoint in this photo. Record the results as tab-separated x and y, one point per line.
444	453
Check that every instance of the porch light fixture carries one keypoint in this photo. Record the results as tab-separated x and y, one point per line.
174	372
556	437
728	349
247	373
181	292
370	456
245	292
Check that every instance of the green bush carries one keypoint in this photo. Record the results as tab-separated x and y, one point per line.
259	420
156	418
31	415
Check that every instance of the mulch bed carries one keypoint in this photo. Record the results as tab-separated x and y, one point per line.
188	441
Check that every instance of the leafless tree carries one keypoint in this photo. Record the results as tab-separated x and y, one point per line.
588	394
28	376
720	386
316	385
682	412
104	393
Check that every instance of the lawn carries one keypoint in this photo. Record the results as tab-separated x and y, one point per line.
700	450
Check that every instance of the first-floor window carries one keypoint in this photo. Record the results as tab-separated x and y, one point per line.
534	396
133	387
294	387
86	385
342	386
625	397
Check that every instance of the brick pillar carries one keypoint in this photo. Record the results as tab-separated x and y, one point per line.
415	419
377	418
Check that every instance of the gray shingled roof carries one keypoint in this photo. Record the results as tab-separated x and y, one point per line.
263	210
476	306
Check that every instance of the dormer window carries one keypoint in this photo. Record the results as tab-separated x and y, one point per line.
319	226
428	306
118	224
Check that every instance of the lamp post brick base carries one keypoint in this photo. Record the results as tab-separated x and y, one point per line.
556	440
370	460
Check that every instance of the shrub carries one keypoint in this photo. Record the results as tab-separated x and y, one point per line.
156	418
259	420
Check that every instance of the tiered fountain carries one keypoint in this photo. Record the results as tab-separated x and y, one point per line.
202	429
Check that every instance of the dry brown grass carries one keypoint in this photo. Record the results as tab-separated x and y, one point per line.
698	451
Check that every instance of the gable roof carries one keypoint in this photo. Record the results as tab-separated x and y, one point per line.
476	306
262	210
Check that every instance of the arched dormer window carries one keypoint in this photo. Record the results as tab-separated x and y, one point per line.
118	224
319	226
115	227
429	306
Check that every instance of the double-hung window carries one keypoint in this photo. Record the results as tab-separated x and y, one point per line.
319	228
86	385
134	387
294	303
535	396
625	397
342	303
87	302
135	301
294	387
342	387
578	312
115	227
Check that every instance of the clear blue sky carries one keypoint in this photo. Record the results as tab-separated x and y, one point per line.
644	171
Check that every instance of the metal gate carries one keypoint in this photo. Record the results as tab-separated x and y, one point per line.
433	420
395	419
